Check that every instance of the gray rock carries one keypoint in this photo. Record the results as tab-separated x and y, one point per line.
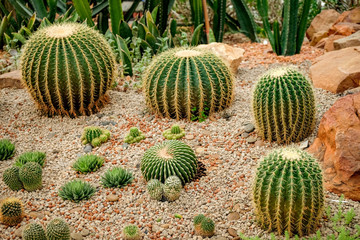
233	216
251	139
232	232
189	137
244	135
249	128
259	143
88	148
304	144
85	232
106	123
125	145
76	236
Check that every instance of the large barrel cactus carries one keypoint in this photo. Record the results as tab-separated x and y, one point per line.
284	106
187	83
288	192
67	68
11	211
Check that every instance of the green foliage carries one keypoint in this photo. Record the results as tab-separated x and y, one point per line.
131	232
30	174
95	136
288	192
57	229
174	133
75	68
172	188
167	159
198	219
34	231
11	211
76	191
35	156
88	163
116	178
199	116
209	89
284	106
204	226
11	178
134	136
7	149
246	19
155	189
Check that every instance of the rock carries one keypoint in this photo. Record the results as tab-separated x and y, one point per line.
350	41
199	150
85	232
337	71
321	43
125	145
329	43
18	232
244	135
304	144
165	226
88	148
231	55
219	238
344	28
112	198
259	143
322	22
251	139
76	236
249	128
317	37
36	215
11	80
337	147
189	137
233	216
232	232
353	16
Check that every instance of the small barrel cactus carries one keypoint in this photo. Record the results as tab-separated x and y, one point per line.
58	229
288	192
33	231
31	176
197	222
187	82
169	158
36	156
131	232
11	211
284	106
95	136
68	68
174	133
155	189
7	149
11	178
204	226
134	136
172	188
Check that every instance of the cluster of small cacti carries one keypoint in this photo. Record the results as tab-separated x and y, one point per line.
170	190
174	133
76	191
131	232
134	136
36	156
56	229
28	176
204	226
7	149
116	178
95	136
11	211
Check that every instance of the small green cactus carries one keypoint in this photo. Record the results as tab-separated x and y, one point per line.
11	178
34	231
172	188
31	176
116	178
95	136
58	229
174	133
38	157
11	211
88	163
76	191
288	192
7	149
155	189
134	136
284	106
204	226
131	232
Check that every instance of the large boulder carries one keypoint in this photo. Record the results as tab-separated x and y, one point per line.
322	22
344	28
337	147
11	80
337	71
350	41
329	43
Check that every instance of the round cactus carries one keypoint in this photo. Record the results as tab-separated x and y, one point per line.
187	83
95	136
131	232
31	176
172	188
58	229
155	189
33	231
134	136
11	211
11	178
174	133
207	227
67	68
284	106
7	149
288	192
167	159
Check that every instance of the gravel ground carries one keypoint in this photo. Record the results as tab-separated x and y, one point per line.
223	194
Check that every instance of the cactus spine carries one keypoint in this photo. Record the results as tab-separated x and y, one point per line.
288	192
172	188
11	178
58	229
134	136
34	231
7	149
284	106
11	211
131	232
155	189
95	136
31	176
187	82
174	133
67	68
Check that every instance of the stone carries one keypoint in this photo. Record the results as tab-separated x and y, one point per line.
244	135
337	71
165	226
112	198
353	16
321	43
259	143
251	139
88	148
249	128
329	42
18	232
337	147
322	22
231	55
233	216
36	215
232	232
76	236
219	238
199	150
317	37
344	28
189	137
349	41
11	80
85	232
304	144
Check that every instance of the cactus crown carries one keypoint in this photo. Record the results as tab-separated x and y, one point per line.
131	232
95	136
11	178
288	192
58	229
174	133
31	176
187	82
68	68
34	231
284	106
155	189
134	136
172	188
7	149
38	157
11	211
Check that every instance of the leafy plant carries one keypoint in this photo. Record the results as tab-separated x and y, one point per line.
88	163
116	178
35	156
76	191
7	149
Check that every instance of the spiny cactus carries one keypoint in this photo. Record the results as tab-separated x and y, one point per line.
11	178
31	176
131	232
169	158
288	192
204	226
95	136
155	189
284	106
33	231
57	229
38	157
187	82
134	136
172	188
67	68
7	149
11	211
174	133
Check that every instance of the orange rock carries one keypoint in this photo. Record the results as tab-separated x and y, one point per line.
329	43
344	28
322	22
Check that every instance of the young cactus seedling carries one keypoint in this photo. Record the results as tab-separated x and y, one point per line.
174	133
95	136
134	136
131	232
